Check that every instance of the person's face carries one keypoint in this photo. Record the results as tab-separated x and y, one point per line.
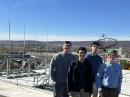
81	54
66	47
94	48
111	57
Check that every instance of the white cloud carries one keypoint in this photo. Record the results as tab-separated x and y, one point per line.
124	38
18	36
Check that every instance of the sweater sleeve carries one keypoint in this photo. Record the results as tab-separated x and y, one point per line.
70	77
53	68
99	77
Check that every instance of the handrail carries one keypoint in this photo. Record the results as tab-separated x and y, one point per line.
125	76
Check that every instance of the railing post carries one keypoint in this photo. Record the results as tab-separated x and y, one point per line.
125	78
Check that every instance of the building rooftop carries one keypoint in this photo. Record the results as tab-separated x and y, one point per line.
9	89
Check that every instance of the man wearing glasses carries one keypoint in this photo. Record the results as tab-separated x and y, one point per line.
80	76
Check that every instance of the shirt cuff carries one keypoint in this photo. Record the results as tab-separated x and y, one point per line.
99	89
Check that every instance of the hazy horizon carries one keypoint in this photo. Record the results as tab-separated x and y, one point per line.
75	20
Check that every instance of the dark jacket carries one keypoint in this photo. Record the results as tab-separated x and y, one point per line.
74	77
95	61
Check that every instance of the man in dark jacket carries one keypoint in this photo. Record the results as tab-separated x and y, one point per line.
80	76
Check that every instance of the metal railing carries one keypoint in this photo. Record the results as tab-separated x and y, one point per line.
126	78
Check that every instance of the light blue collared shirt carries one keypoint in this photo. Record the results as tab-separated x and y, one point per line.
109	75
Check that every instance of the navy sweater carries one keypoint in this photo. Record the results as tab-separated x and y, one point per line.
95	61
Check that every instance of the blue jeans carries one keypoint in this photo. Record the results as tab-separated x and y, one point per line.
60	90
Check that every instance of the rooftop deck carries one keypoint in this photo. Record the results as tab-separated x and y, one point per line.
9	89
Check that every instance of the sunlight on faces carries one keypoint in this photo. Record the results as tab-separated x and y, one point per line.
94	48
66	47
81	54
111	57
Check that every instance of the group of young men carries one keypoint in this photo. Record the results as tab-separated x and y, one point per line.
86	75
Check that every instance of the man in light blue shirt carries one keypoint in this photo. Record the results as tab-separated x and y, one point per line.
109	76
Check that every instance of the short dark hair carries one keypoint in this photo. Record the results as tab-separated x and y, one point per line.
95	43
82	49
68	42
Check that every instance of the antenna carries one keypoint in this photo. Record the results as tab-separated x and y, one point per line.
35	50
24	41
47	41
23	61
8	62
106	42
47	46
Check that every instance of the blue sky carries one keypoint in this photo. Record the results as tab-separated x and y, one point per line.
65	19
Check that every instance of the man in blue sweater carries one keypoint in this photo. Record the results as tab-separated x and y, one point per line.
95	60
59	69
109	76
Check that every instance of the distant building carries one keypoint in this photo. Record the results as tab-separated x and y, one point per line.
120	51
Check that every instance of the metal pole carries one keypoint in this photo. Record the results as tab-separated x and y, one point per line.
35	54
47	47
29	66
7	68
24	41
23	63
8	61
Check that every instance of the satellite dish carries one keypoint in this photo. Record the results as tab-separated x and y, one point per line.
107	42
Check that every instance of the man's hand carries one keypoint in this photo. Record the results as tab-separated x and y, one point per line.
69	93
54	82
100	92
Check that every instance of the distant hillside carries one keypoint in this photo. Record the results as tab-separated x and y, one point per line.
123	44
